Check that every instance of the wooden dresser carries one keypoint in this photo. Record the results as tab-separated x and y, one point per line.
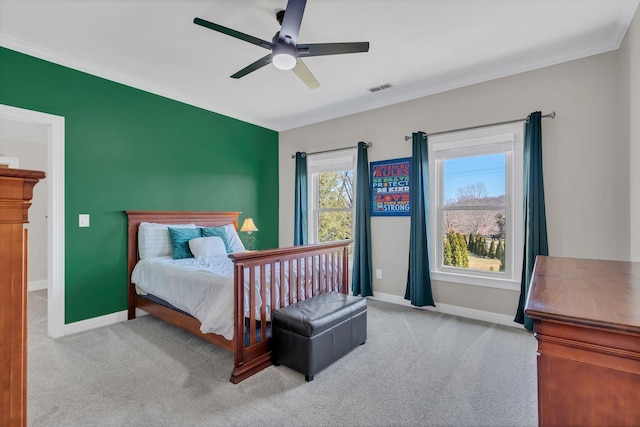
16	191
586	317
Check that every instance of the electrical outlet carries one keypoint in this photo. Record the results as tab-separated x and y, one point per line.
83	220
378	273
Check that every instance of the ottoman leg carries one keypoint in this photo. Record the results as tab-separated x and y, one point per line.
308	378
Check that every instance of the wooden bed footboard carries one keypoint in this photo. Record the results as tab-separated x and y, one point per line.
263	281
275	278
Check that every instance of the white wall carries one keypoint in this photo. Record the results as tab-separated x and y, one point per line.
32	155
586	164
630	56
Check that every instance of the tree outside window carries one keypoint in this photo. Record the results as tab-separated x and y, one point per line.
335	205
331	197
474	229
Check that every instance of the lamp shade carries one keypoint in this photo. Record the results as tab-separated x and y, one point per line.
248	226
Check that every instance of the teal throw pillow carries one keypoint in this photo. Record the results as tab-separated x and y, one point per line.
179	238
217	232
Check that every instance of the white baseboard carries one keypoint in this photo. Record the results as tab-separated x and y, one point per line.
97	322
36	285
469	313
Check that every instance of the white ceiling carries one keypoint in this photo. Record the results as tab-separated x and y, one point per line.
421	47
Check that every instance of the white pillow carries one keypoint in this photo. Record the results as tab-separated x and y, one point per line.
235	244
203	247
153	239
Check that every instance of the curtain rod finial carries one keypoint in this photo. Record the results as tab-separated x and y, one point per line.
552	115
410	137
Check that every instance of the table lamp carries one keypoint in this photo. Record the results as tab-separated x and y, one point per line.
249	227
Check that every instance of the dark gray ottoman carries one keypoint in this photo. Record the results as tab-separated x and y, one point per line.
311	334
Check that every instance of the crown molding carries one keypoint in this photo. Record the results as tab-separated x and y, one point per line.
114	76
481	73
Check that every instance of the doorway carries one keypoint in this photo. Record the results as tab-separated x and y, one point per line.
54	128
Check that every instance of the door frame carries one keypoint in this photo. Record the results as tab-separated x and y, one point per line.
54	126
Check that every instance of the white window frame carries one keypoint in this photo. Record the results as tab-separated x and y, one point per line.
508	139
327	162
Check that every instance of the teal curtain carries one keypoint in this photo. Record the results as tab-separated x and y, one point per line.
300	201
535	222
419	276
361	284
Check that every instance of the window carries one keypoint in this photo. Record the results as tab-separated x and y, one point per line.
331	191
475	193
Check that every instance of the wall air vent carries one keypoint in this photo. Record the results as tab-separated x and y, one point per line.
381	87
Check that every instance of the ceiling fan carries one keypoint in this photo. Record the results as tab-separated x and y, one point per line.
286	53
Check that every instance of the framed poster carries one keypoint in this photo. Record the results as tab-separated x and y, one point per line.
390	187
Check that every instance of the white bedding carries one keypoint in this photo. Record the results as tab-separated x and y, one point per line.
202	287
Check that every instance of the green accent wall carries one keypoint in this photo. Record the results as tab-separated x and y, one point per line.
126	149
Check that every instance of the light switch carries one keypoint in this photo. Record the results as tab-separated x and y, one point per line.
378	273
83	220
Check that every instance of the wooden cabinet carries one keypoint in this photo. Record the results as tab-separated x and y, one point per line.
16	191
586	317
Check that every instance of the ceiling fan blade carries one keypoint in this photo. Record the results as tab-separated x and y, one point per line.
233	33
266	60
292	21
305	75
320	49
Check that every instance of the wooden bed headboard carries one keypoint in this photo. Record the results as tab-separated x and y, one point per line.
208	219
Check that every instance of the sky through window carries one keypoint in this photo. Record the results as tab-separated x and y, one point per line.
463	171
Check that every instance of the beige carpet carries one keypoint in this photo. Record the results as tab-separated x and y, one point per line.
417	368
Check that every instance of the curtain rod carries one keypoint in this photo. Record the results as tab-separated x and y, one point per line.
551	115
369	145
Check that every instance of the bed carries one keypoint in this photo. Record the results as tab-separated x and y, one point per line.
254	282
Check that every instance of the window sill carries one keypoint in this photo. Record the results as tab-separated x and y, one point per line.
466	279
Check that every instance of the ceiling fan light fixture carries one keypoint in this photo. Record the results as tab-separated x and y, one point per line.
284	61
284	56
283	47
